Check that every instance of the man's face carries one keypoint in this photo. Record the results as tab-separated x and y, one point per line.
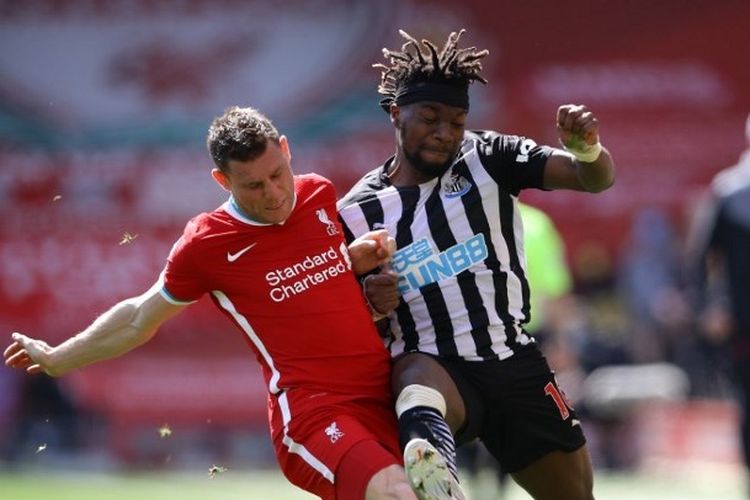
264	187
430	135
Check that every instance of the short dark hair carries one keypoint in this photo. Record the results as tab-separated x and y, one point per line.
411	65
239	134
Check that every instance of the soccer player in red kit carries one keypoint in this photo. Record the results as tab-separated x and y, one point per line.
274	260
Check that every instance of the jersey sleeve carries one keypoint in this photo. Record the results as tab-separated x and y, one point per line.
514	162
181	283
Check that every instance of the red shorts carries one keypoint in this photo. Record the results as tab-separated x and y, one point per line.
357	437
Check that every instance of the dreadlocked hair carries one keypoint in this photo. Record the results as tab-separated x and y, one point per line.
412	64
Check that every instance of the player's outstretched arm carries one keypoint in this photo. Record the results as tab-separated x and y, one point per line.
125	326
584	165
371	250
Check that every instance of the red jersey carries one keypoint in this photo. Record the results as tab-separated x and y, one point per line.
290	289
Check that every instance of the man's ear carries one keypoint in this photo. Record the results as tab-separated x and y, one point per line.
395	115
284	145
221	179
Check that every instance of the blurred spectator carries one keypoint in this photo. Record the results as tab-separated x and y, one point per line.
719	263
605	331
605	335
10	385
649	281
45	420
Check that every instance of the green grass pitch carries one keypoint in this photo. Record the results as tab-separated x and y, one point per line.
700	483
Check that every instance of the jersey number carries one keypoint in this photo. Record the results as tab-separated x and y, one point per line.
559	399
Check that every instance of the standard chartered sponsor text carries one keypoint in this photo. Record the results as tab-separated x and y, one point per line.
313	270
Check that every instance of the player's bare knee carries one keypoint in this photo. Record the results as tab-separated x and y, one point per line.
578	490
582	493
423	370
414	368
389	483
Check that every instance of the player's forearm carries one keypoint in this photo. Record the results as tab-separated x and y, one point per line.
114	333
598	175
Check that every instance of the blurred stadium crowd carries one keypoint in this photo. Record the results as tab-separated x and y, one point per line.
104	106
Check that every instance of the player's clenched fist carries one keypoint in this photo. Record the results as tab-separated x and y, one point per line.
371	250
579	131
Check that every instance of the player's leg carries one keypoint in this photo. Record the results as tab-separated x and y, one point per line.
429	409
336	449
559	475
389	483
533	431
371	468
369	471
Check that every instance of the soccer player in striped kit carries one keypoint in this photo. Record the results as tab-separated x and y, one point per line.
274	260
464	367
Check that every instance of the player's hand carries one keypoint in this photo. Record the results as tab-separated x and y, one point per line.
381	291
577	126
27	354
372	249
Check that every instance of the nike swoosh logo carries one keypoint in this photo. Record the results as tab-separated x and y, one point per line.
231	257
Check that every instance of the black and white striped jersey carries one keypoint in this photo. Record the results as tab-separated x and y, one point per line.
460	257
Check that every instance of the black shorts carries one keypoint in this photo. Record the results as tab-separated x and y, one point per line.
515	407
